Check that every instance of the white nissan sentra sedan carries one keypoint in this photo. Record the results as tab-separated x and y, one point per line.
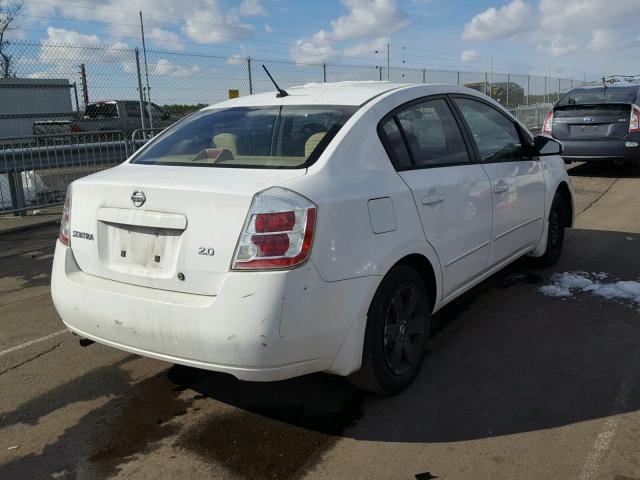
272	236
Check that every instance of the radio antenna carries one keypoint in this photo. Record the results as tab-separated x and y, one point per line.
281	93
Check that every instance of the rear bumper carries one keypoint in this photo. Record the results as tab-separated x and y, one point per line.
602	150
263	326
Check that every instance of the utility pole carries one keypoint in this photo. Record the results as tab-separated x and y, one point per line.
388	62
146	73
491	76
140	92
85	90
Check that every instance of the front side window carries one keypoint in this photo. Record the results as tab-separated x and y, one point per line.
495	135
249	137
432	134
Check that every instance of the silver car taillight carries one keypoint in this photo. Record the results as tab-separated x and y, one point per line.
547	124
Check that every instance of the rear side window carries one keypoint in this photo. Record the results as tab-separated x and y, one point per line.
495	135
249	137
432	134
399	153
424	135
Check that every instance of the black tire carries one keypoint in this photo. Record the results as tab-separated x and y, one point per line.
555	234
396	334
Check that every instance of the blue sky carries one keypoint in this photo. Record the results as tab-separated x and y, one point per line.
566	37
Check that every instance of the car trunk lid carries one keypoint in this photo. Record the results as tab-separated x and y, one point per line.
591	122
183	234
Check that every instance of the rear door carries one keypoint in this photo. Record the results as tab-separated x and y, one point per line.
591	122
452	194
517	180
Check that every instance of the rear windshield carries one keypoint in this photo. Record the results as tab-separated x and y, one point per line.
599	95
248	137
101	110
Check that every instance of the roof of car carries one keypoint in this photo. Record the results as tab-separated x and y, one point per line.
336	93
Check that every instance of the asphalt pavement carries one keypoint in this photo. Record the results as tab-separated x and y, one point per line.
516	384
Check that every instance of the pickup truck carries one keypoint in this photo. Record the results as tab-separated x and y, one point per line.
123	115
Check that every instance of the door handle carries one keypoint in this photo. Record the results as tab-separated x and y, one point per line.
501	187
433	199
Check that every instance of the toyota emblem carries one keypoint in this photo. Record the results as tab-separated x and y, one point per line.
138	198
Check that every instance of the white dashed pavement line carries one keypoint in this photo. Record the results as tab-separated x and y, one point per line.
32	342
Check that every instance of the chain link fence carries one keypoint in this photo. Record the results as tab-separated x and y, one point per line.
81	88
76	109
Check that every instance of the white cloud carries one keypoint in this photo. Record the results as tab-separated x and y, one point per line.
602	39
268	28
560	27
313	50
202	21
369	17
166	38
469	56
559	15
70	37
562	45
251	8
165	68
499	23
366	18
60	56
366	48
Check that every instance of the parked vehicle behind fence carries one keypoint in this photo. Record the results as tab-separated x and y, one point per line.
121	115
598	123
272	236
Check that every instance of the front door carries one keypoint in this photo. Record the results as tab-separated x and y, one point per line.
517	180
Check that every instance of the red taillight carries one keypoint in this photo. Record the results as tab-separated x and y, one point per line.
75	129
278	232
634	122
64	236
274	245
547	124
275	222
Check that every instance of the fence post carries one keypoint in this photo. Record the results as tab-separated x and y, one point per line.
486	84
545	89
528	88
559	86
324	72
85	88
424	75
140	94
380	72
508	88
250	80
16	192
75	91
458	77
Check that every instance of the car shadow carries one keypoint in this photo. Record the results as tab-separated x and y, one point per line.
504	359
603	169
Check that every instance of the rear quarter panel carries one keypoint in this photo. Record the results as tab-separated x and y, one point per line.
354	169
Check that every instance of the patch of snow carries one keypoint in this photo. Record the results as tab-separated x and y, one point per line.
567	283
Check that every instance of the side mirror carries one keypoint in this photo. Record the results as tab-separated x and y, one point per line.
547	146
